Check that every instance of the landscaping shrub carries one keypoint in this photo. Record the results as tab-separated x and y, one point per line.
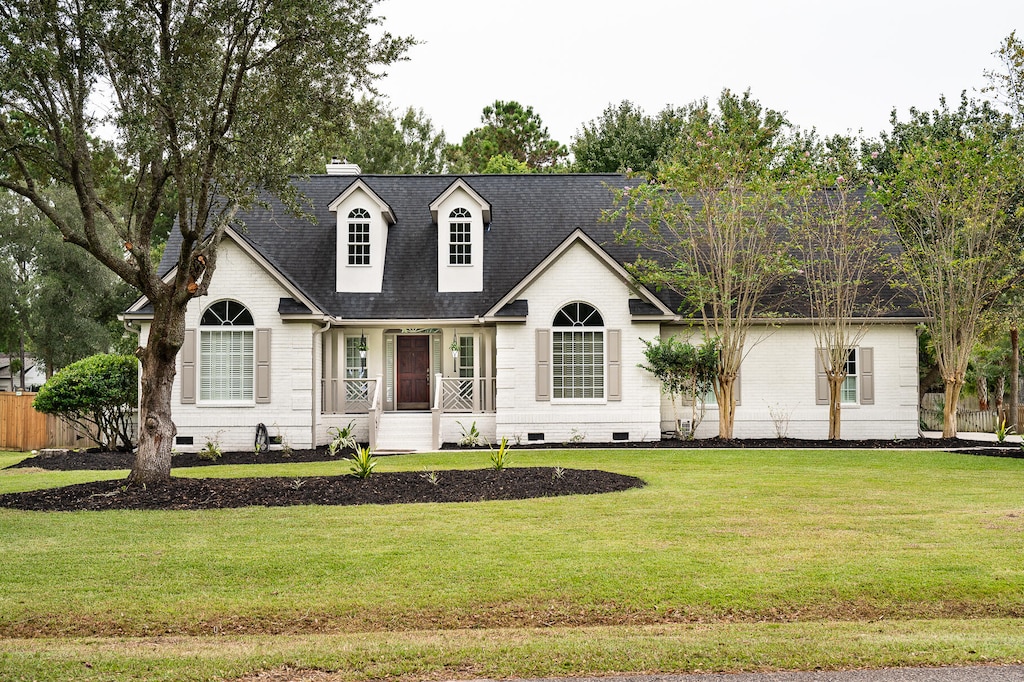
97	393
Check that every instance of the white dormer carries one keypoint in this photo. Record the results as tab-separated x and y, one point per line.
363	221
460	215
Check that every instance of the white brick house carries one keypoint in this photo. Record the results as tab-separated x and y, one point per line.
418	305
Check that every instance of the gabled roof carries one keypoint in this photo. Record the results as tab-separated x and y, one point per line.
533	218
382	205
142	309
459	183
580	237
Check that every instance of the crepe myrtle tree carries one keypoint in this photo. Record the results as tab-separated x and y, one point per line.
712	217
951	202
198	100
836	229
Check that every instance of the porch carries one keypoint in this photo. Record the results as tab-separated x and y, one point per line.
399	389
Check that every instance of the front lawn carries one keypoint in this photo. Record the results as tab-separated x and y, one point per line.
740	554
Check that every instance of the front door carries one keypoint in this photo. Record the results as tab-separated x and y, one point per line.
413	365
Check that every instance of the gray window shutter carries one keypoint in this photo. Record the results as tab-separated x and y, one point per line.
820	379
188	368
543	364
867	376
262	366
614	364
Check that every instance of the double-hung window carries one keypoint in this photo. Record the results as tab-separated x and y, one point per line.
848	391
460	243
359	237
226	362
577	353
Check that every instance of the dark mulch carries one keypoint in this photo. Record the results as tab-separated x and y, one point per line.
385	488
380	488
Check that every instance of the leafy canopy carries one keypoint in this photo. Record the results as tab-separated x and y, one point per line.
97	393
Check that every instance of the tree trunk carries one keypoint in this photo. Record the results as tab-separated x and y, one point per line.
726	405
1014	377
953	387
156	428
835	387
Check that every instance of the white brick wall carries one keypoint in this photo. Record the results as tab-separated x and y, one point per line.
289	411
778	373
577	276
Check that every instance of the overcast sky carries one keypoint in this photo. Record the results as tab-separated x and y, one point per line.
836	66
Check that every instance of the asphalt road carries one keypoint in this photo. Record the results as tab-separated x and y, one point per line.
993	673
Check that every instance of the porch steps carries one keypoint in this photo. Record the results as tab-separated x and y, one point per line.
404	432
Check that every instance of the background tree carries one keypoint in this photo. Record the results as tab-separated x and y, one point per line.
510	129
1008	86
836	231
951	202
64	303
202	97
624	138
377	140
714	214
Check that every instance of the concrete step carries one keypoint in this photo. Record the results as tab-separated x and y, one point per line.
405	432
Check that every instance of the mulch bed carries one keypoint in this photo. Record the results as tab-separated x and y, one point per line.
385	488
380	488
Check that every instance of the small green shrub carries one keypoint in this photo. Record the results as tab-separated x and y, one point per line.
500	457
362	463
341	439
471	436
1002	431
211	452
98	394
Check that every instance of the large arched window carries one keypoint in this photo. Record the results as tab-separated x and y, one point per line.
226	365
577	353
359	237
460	242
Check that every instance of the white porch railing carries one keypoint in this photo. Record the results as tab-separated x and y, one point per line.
373	412
465	395
348	396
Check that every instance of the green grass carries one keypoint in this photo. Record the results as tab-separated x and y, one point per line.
720	551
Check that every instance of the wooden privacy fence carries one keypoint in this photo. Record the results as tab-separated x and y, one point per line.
23	428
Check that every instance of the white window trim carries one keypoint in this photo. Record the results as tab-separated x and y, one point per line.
856	381
604	367
225	402
366	221
465	219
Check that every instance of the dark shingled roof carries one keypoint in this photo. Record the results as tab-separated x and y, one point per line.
531	215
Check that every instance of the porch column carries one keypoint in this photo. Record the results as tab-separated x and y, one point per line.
488	373
327	353
476	373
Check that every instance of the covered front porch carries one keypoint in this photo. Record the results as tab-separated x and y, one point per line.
407	388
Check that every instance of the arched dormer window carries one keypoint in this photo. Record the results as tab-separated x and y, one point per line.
577	353
460	242
226	362
359	237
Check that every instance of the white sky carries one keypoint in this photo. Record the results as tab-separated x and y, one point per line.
836	66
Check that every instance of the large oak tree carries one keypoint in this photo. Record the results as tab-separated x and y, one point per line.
200	101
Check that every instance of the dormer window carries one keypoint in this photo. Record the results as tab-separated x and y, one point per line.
460	241
359	237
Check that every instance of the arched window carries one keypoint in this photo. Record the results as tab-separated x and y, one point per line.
226	365
460	244
359	237
577	353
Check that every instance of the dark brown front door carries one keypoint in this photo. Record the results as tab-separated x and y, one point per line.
413	373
